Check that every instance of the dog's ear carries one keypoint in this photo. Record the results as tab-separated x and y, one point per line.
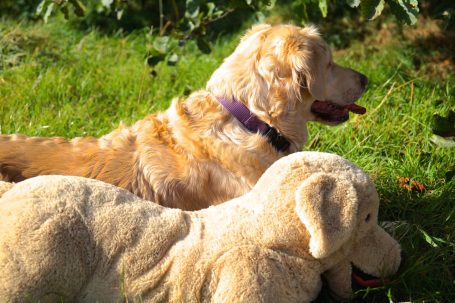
312	62
316	73
327	206
256	28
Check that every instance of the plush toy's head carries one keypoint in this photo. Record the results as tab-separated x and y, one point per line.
338	206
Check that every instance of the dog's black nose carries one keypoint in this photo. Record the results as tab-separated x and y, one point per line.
363	80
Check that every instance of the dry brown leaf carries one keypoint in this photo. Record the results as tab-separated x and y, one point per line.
411	185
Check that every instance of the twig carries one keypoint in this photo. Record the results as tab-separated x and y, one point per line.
141	85
160	3
384	99
411	97
357	145
176	11
314	142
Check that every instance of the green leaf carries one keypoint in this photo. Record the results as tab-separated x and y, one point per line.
203	45
353	3
448	17
173	59
79	7
323	7
260	17
107	3
48	12
161	44
442	142
192	9
120	14
41	6
210	8
428	238
371	9
405	10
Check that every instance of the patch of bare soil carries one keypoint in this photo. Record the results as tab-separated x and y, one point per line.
435	46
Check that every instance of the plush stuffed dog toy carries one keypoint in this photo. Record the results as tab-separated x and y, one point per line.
76	239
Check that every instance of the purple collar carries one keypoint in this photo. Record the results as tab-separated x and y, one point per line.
254	124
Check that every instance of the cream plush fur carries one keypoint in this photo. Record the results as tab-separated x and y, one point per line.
86	241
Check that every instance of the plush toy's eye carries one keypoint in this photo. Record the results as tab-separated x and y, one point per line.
367	219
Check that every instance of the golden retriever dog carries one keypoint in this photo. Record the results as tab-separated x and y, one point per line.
215	144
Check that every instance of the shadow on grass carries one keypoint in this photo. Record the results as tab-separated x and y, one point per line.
424	226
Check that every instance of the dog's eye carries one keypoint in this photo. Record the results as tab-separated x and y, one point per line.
367	219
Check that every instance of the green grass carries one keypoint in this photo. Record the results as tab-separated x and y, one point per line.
57	81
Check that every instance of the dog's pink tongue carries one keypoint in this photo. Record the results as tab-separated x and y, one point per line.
356	109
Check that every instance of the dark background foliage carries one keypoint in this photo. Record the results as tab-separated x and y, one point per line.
174	22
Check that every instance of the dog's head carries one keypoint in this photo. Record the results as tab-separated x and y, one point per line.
337	204
285	75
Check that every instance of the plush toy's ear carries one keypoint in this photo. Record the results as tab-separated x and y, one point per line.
327	206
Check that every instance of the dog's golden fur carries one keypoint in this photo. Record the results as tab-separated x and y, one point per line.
196	154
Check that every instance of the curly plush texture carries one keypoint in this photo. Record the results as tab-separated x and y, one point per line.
83	240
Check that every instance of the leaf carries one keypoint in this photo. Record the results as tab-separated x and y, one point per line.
353	3
442	142
404	182
260	17
428	238
173	59
40	7
448	17
203	45
107	3
371	9
120	14
417	186
405	10
192	9
210	8
48	12
79	8
323	7
161	44
411	185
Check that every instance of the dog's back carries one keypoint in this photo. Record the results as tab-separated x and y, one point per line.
173	163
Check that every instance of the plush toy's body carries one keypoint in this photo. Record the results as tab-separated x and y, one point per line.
86	241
